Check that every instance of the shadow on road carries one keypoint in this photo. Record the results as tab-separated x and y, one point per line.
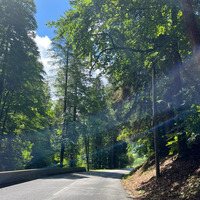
106	174
116	174
128	169
65	176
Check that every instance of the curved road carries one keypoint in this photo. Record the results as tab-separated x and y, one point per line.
94	185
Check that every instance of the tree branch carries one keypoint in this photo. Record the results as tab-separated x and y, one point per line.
120	48
112	41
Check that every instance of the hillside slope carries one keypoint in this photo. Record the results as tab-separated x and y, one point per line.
180	179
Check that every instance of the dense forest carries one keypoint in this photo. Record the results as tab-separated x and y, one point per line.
127	71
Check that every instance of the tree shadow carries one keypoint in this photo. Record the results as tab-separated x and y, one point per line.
72	176
106	174
81	175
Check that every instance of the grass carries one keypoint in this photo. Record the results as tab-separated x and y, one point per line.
138	161
136	165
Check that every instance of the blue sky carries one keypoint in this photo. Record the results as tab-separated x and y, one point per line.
49	10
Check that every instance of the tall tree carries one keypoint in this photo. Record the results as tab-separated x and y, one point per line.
23	94
71	84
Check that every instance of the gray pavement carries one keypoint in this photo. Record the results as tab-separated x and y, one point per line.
94	185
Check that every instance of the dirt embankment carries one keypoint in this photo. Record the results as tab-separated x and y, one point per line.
180	179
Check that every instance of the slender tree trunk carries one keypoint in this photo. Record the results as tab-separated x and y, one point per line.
74	136
99	160
3	72
156	151
100	155
2	77
9	102
64	133
3	105
88	152
62	153
87	142
86	145
5	120
112	152
73	140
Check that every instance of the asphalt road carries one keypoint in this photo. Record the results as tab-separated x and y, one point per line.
94	185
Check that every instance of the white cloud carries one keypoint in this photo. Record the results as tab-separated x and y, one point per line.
44	44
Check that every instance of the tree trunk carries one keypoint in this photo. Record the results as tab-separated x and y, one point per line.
87	142
156	151
178	100
3	72
5	120
190	21
3	105
64	133
2	83
112	152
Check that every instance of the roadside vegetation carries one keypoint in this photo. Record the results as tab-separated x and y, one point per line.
138	160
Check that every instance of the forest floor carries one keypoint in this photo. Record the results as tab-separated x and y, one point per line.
180	179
